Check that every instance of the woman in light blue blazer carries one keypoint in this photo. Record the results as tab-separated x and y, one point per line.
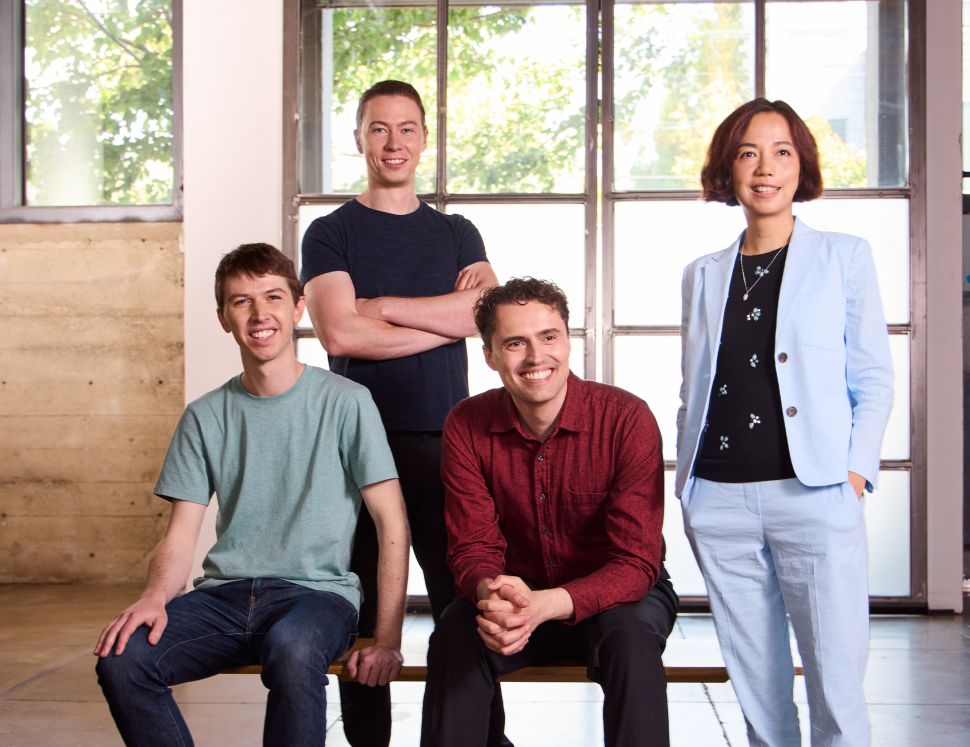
787	386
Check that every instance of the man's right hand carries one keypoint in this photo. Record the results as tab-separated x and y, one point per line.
375	665
148	610
502	625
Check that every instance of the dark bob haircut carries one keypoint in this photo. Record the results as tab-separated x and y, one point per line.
716	181
256	260
390	88
520	291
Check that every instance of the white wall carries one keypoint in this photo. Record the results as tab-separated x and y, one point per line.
232	84
944	311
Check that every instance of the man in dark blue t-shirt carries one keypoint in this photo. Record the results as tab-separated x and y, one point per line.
390	286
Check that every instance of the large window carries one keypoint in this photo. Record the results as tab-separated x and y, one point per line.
573	135
89	100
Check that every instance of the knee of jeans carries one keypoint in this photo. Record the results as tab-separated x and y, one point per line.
289	659
130	668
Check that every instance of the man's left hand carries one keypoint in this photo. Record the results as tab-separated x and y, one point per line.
375	665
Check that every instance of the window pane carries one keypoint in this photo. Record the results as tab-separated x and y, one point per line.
98	109
346	51
684	573
654	241
649	366
680	69
516	98
481	378
310	351
895	444
308	214
544	241
887	523
884	223
842	66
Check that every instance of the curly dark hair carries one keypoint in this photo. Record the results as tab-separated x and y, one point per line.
716	181
256	260
520	291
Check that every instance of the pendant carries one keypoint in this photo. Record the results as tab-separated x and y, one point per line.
744	297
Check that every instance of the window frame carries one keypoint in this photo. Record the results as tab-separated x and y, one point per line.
12	132
599	331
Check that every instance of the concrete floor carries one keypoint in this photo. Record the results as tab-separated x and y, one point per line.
918	684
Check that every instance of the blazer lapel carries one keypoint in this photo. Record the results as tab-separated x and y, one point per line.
717	282
803	250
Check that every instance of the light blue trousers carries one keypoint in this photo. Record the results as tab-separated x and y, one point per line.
777	547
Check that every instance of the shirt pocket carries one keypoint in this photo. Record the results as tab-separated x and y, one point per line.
584	514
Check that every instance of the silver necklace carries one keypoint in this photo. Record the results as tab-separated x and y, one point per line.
759	272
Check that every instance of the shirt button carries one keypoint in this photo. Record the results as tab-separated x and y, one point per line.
541	458
791	412
547	531
782	357
542	496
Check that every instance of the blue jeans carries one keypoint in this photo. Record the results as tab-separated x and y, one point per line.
292	631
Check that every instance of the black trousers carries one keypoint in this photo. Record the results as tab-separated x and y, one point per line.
366	711
621	647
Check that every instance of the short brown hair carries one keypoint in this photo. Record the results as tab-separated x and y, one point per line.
716	181
256	260
390	88
520	291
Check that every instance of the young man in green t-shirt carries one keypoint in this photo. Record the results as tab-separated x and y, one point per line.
291	451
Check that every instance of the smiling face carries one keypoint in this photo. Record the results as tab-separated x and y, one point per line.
530	351
766	168
391	139
260	313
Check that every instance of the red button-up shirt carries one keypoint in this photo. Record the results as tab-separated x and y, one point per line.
582	510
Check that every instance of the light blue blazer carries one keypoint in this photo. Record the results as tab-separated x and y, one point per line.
831	356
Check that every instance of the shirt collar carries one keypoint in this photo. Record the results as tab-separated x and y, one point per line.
571	416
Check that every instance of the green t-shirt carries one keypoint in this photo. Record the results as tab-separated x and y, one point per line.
287	471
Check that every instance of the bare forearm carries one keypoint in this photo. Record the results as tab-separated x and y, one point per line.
355	336
392	577
168	570
449	315
386	507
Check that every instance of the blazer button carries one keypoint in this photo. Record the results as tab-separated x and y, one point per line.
782	357
791	412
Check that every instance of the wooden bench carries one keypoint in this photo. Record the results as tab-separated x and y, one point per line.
565	671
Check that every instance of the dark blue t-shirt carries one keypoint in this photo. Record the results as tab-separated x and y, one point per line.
413	255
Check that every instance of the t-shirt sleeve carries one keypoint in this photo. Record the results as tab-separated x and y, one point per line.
364	452
471	247
324	248
186	473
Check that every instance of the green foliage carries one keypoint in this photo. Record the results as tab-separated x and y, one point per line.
842	164
99	99
705	81
513	123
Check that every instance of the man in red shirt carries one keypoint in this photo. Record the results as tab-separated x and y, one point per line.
554	509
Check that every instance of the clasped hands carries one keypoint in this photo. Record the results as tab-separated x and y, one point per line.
511	611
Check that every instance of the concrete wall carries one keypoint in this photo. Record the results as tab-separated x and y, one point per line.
91	385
